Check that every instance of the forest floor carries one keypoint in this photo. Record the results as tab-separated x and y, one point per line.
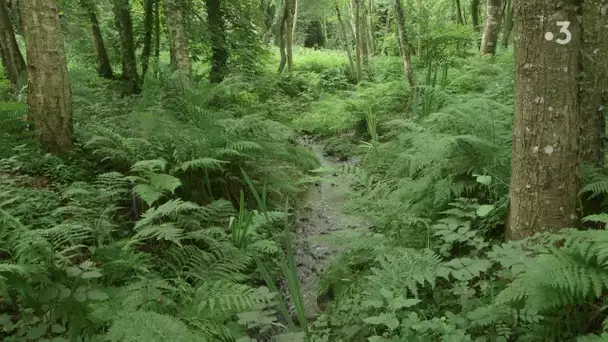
321	213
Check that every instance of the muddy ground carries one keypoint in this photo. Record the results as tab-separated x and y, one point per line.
321	213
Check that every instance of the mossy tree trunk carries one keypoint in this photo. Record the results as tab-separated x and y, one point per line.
148	29
593	94
219	47
122	13
49	99
508	24
348	46
475	20
370	28
594	82
545	158
284	37
296	11
459	17
9	49
174	20
104	67
359	39
403	43
157	32
492	27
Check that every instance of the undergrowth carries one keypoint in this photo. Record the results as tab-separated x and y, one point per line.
170	219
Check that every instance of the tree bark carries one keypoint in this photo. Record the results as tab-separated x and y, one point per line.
362	26
157	30
475	16
281	36
491	29
13	60
508	20
361	58
420	27
545	162
148	28
48	97
122	13
289	39
219	57
295	21
370	27
348	46
594	82
459	18
403	43
104	67
174	20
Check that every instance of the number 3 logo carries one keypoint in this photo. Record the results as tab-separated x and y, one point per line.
564	29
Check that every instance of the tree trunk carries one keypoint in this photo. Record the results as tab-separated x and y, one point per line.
594	83
348	45
281	35
363	27
219	48
475	21
545	162
148	28
14	13
104	67
421	26
403	43
289	39
508	20
13	60
491	29
48	97
387	28
122	12
459	18
358	40
174	20
157	30
295	21
370	27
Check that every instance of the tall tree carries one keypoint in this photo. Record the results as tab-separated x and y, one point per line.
594	81
459	17
403	43
362	26
284	37
491	28
422	14
219	48
104	68
289	38
475	20
545	164
348	46
360	57
174	20
148	28
122	13
157	30
48	97
11	56
508	24
370	27
296	11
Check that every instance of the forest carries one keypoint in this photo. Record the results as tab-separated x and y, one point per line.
288	170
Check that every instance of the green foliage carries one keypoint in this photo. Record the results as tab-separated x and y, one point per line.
173	207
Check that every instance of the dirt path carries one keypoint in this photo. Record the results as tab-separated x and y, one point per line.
321	213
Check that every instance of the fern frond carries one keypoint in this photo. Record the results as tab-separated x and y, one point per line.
150	326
